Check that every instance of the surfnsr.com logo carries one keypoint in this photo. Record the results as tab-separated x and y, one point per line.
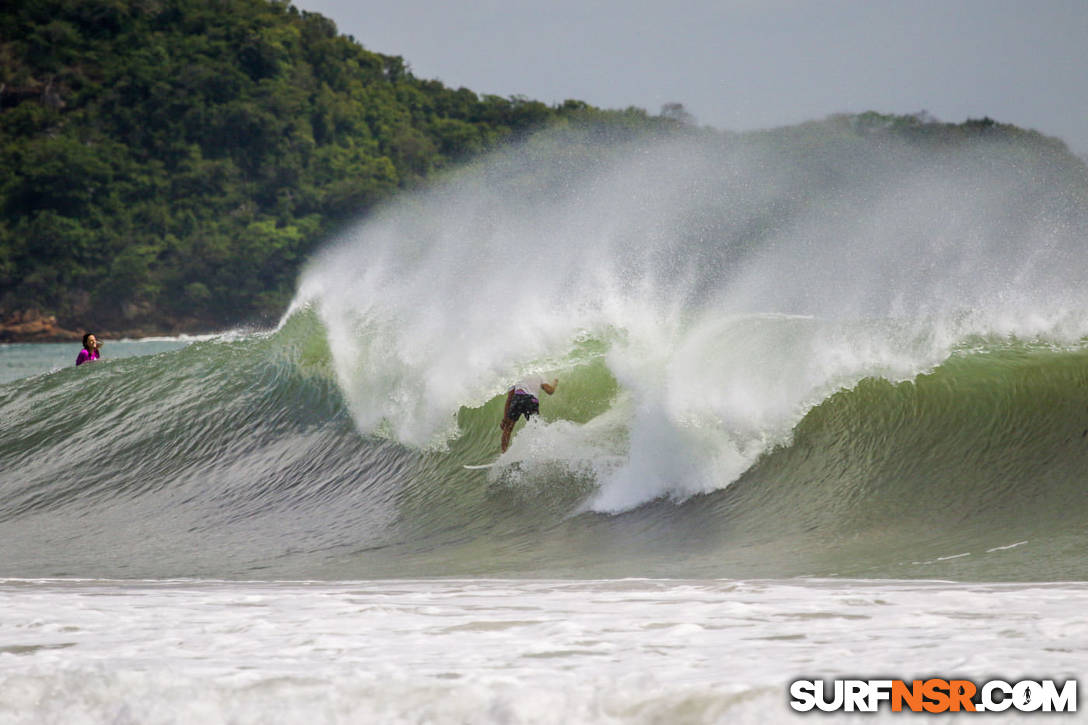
933	695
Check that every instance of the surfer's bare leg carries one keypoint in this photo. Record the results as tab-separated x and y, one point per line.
507	429
507	425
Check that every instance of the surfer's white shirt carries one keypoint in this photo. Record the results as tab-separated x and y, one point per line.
530	384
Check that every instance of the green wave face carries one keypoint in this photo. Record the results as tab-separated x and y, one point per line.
239	458
975	470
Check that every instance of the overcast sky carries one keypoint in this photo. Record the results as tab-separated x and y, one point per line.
743	64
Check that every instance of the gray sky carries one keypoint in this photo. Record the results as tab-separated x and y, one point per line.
743	64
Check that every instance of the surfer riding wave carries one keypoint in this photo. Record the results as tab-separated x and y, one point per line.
523	399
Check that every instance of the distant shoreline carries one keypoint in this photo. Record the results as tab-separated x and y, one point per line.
34	327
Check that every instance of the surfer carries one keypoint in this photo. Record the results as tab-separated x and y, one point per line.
522	399
91	346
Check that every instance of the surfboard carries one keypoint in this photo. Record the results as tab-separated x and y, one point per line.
482	465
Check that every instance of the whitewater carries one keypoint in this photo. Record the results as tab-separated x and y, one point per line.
823	410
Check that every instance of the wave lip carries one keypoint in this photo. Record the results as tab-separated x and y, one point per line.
734	284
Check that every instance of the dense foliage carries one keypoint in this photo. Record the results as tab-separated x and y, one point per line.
172	162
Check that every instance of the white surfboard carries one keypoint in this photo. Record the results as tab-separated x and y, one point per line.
482	465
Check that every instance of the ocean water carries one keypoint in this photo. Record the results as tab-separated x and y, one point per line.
822	411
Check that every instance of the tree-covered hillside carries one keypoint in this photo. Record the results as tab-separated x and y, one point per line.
170	163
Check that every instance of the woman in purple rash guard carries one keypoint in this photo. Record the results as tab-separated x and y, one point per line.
90	349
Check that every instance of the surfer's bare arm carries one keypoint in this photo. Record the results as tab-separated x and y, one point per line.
549	388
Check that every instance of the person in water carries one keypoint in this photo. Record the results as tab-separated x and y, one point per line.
91	346
522	399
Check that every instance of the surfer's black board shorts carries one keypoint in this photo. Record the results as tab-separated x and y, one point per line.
523	404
